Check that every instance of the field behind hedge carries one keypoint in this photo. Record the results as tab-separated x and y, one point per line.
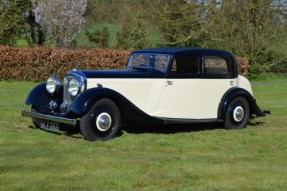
37	63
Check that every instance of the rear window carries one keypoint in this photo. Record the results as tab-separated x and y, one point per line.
216	65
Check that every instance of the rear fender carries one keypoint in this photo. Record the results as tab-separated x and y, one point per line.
235	92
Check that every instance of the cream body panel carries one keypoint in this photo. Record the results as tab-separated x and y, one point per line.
155	96
171	98
141	92
180	99
212	93
193	98
244	84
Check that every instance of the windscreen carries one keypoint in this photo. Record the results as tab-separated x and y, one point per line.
157	62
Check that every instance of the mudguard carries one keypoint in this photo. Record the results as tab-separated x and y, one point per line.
40	98
129	112
235	92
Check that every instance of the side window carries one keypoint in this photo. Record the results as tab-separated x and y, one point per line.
215	65
161	62
186	64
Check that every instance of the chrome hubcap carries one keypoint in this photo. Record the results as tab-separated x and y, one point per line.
238	114
104	121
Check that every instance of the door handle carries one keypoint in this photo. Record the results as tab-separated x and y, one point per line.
170	83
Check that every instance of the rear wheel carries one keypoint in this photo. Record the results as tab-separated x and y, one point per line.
237	114
102	122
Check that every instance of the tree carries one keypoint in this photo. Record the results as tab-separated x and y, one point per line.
178	21
13	21
61	19
36	32
255	28
101	37
134	35
249	28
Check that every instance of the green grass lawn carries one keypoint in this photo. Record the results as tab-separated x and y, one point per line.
176	158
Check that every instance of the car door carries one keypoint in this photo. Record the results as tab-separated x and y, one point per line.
216	81
181	97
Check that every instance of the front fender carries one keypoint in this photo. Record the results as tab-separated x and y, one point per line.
40	98
83	103
129	112
235	92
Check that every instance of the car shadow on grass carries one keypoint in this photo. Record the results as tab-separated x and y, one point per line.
178	128
171	129
250	123
73	132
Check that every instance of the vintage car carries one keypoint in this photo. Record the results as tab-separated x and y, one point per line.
159	86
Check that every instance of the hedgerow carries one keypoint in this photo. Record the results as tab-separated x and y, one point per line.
37	63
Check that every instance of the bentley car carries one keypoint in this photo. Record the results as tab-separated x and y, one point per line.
159	86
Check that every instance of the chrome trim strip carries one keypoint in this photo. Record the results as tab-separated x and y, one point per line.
56	119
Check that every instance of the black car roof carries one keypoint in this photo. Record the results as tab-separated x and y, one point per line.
183	50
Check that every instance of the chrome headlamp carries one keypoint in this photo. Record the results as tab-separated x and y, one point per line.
75	86
53	83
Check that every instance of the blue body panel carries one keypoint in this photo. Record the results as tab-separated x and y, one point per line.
129	111
39	98
185	50
121	74
231	94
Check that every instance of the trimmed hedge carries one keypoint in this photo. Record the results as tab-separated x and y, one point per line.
38	63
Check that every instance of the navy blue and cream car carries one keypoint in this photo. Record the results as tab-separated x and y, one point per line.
159	86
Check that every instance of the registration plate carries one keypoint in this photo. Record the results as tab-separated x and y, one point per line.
50	126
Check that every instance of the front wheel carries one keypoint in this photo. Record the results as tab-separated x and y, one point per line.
102	122
237	114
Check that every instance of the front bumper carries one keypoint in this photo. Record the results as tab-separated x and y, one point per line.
51	118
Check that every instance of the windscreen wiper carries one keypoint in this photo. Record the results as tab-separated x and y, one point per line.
146	69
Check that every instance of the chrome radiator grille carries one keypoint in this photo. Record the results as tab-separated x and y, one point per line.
67	98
